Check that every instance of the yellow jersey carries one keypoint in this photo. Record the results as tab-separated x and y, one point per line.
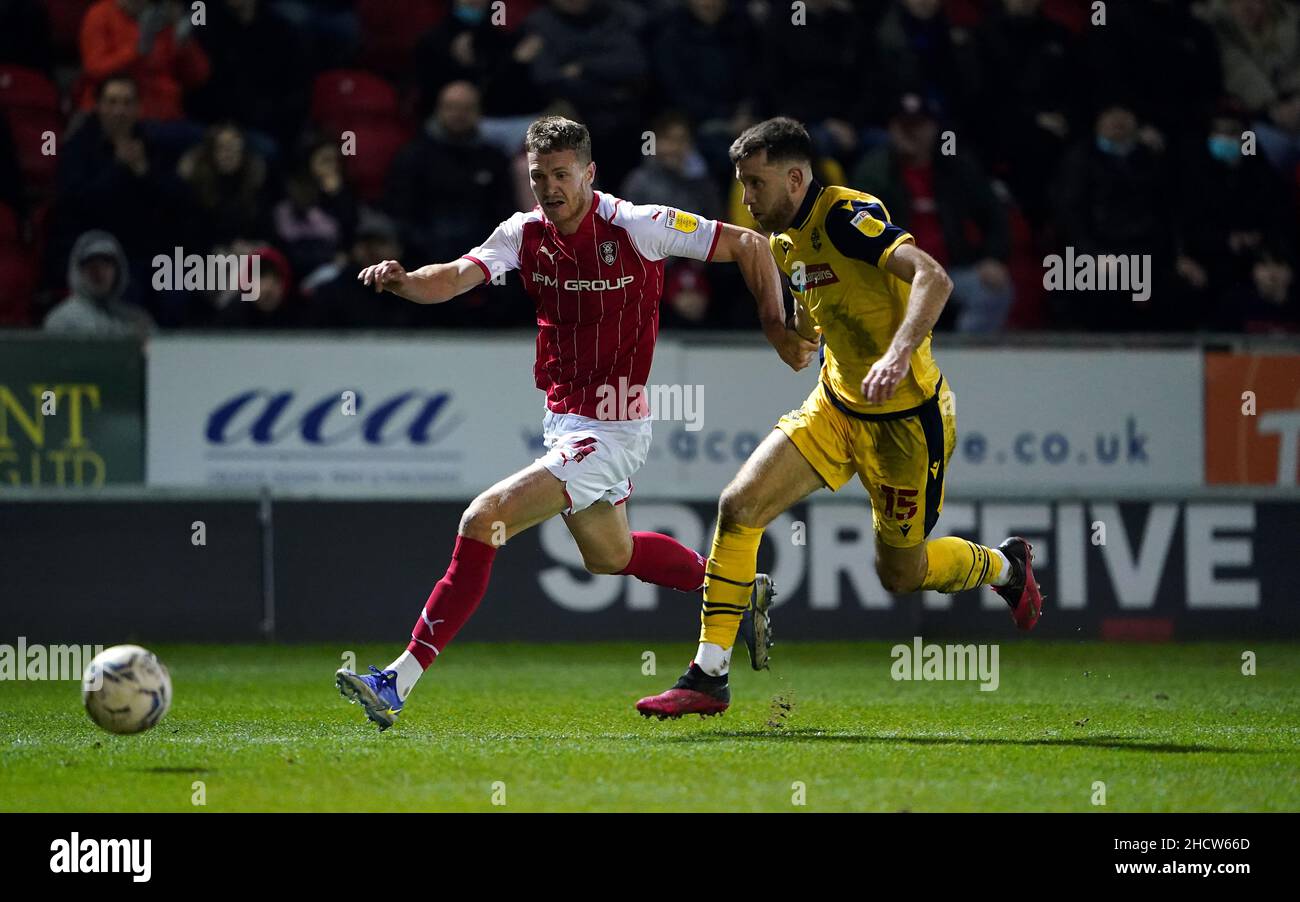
834	255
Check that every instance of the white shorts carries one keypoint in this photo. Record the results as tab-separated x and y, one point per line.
595	459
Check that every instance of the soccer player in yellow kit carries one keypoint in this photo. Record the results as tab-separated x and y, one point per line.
882	410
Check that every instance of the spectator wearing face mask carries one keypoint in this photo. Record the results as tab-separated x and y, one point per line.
97	278
1232	203
1278	133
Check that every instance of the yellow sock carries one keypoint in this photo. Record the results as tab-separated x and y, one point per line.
955	565
728	583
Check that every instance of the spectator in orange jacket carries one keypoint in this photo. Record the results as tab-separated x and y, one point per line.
148	39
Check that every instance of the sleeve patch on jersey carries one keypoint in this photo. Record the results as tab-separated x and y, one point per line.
681	221
867	224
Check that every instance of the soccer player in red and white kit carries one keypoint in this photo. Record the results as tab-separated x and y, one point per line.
593	265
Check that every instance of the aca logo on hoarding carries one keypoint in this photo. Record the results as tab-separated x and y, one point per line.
264	417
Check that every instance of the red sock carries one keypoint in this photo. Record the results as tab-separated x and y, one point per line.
664	561
453	599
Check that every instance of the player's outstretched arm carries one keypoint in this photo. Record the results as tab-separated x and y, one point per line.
931	287
750	251
430	284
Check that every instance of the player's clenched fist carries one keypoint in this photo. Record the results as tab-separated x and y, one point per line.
795	350
386	276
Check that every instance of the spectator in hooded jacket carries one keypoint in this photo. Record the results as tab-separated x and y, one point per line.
98	277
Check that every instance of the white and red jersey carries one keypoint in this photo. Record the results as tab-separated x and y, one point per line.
596	291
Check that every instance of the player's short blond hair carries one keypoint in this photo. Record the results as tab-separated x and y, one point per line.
552	134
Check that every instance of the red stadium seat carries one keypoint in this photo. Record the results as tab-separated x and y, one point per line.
1028	311
29	134
344	98
963	13
376	145
390	30
1073	14
30	102
18	279
26	90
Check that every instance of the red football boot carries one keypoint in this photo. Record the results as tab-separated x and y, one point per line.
695	693
1021	592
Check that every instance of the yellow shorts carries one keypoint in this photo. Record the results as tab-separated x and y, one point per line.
901	461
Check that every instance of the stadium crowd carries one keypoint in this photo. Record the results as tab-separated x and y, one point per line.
324	135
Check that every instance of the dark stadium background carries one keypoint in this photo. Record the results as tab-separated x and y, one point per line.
326	135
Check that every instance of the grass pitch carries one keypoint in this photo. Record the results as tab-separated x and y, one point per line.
551	727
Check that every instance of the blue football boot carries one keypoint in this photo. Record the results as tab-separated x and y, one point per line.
376	691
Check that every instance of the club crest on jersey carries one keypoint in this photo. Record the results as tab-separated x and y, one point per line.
816	239
608	251
682	222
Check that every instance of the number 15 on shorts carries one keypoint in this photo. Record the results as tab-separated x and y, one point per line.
899	503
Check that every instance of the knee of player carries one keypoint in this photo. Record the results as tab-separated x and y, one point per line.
736	509
606	562
898	580
481	520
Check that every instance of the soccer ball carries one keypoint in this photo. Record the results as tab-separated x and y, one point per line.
126	689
